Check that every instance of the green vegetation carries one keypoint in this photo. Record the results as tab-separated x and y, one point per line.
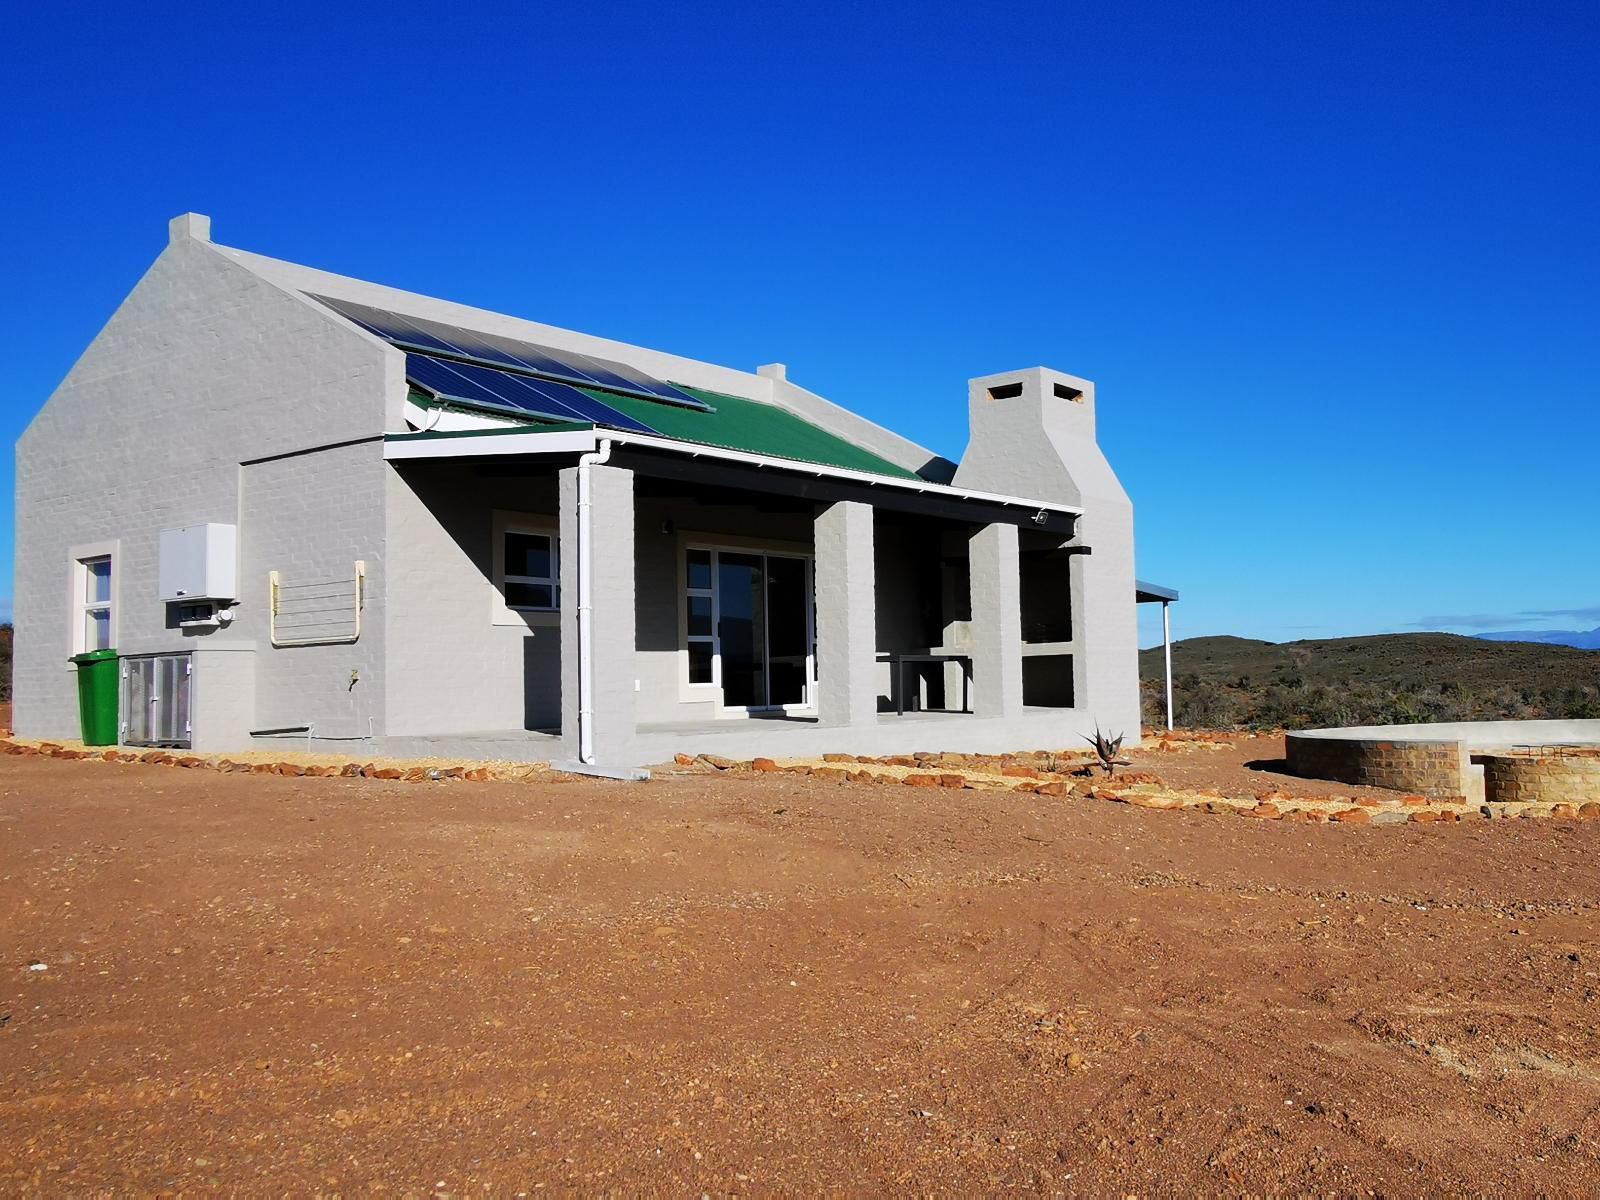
1238	683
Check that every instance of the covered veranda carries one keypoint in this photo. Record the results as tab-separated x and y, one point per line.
655	660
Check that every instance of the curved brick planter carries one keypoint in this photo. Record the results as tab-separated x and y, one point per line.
1437	768
1568	778
1431	760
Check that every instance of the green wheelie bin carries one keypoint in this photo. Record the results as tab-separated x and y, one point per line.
97	696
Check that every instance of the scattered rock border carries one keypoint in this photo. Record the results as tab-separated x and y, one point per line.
467	772
1073	775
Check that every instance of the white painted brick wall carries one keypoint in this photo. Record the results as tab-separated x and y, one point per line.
203	367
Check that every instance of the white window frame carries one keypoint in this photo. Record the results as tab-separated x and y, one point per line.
533	525
701	692
78	604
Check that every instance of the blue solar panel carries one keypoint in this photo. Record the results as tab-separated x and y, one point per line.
589	408
565	365
472	384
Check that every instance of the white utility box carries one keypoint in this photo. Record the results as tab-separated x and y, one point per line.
200	562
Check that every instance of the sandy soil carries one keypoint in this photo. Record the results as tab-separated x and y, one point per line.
747	984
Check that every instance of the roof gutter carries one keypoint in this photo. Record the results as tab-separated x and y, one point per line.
530	441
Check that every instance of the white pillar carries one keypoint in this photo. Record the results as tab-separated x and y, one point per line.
847	615
996	621
1166	646
612	615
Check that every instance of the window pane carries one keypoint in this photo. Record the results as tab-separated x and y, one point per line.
528	554
97	581
699	662
699	569
97	629
700	616
530	595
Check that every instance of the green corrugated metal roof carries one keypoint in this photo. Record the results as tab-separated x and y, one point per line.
755	428
733	424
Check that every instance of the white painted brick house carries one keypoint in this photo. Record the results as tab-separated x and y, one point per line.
436	528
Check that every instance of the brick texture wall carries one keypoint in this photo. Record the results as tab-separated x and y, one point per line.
1513	778
1435	769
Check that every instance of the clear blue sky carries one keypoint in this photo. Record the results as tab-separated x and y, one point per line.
1335	268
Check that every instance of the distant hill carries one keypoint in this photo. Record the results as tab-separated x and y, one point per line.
1551	637
1224	682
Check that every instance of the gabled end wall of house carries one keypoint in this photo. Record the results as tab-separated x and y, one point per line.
206	398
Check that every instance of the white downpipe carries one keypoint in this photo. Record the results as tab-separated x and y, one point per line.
586	600
1166	645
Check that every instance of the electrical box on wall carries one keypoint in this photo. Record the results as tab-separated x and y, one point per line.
200	562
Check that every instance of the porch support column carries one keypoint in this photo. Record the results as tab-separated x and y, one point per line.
847	615
996	621
612	616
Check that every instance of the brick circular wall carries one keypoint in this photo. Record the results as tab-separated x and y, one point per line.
1573	778
1428	768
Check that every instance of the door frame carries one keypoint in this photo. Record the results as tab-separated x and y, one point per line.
713	690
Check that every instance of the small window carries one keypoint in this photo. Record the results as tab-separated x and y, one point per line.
699	615
1063	392
94	630
530	579
1005	391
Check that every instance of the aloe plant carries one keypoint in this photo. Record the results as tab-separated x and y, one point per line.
1108	749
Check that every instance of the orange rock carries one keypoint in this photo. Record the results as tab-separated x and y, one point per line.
108	756
1053	788
1424	816
838	758
350	770
835	773
1366	802
285	768
1589	811
683	760
1413	801
953	781
1161	803
763	764
1565	812
1352	816
1020	772
1447	815
921	781
388	773
476	775
1264	810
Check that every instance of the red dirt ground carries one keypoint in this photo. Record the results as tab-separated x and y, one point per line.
746	984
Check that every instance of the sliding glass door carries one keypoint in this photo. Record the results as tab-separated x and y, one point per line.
750	629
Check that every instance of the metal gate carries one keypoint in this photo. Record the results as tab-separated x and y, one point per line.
155	700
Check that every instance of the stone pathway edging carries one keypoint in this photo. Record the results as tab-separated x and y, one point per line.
1138	789
466	772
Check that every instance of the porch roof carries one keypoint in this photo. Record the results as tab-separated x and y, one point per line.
730	422
568	438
